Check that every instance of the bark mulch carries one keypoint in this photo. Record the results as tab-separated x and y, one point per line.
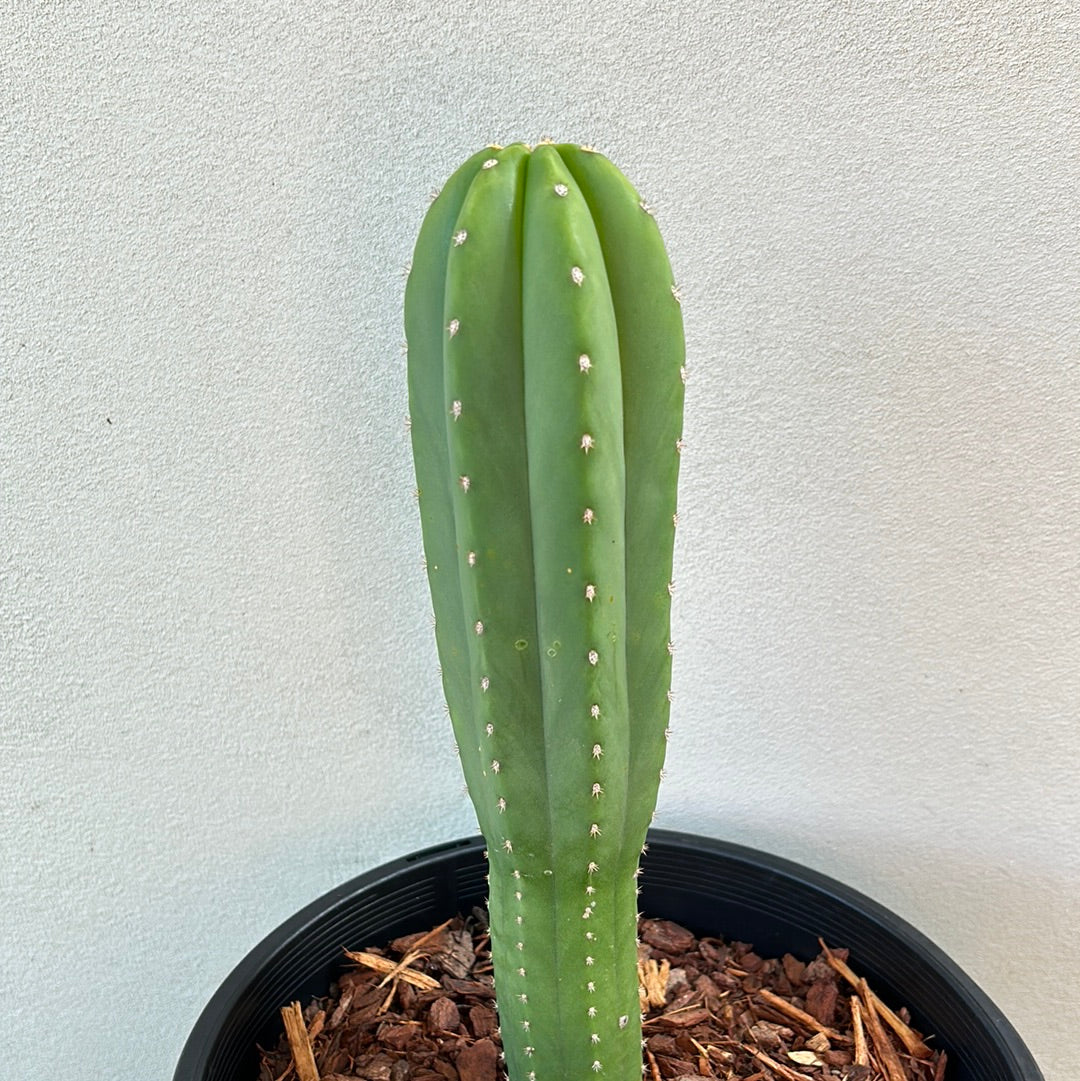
423	1009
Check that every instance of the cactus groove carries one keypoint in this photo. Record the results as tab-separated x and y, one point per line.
545	366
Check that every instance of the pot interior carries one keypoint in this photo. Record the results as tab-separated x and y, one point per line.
708	886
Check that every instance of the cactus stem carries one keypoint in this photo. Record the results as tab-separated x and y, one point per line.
497	254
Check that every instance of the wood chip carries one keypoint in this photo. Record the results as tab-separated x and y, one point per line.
299	1043
777	1067
862	1053
654	1069
652	982
886	1052
910	1039
789	1010
394	970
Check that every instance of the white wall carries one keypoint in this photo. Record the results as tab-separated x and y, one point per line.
218	681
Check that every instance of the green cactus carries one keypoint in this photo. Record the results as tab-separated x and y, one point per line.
546	387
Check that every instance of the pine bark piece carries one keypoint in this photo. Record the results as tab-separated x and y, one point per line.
667	936
299	1043
477	1061
443	1015
821	1001
340	1011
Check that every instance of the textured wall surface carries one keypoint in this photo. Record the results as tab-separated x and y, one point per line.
218	685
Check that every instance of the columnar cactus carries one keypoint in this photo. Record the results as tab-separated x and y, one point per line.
545	386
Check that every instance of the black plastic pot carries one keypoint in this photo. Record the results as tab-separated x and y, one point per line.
708	886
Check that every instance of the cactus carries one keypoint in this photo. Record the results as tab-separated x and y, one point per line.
545	362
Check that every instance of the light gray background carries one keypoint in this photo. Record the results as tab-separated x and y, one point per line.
218	682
